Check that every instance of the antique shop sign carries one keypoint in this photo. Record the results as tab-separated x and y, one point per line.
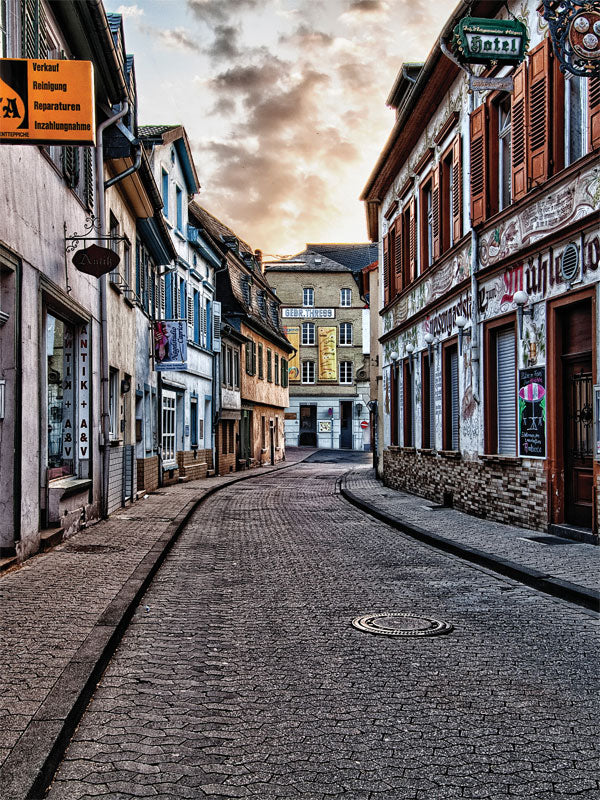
96	260
532	412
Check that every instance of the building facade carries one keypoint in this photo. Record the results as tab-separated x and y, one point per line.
326	319
485	204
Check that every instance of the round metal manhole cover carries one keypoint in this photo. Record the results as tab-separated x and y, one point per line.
398	624
92	548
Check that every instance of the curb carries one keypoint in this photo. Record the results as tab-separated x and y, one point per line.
28	770
589	598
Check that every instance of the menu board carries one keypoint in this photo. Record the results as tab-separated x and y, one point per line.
532	412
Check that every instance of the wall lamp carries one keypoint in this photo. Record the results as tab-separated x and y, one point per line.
394	357
522	299
410	349
460	324
359	409
429	339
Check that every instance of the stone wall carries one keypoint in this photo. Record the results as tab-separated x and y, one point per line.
509	490
194	464
147	473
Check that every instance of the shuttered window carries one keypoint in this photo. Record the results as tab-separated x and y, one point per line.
594	112
269	365
276	369
456	190
33	29
428	402
539	113
451	399
386	271
214	318
506	392
478	165
398	270
284	372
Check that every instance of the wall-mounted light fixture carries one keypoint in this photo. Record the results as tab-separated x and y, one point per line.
410	349
522	299
429	338
460	324
359	408
394	357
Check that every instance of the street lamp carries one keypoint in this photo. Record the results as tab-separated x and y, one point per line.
521	300
410	349
460	324
429	338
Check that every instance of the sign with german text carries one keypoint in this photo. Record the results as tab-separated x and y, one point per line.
308	313
532	412
170	345
95	260
480	41
47	102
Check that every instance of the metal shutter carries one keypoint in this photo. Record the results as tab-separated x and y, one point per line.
454	404
506	389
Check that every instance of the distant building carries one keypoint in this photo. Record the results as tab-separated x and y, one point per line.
327	320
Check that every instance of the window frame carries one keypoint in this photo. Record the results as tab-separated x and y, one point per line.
428	400
449	348
345	294
308	334
426	212
308	297
307	373
491	433
346	326
408	403
348	367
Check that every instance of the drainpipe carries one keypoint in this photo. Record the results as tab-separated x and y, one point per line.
104	367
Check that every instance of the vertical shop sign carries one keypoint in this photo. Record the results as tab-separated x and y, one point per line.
68	394
327	354
293	334
83	433
532	412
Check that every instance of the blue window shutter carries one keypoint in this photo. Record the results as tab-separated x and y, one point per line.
196	316
165	193
182	305
169	295
209	325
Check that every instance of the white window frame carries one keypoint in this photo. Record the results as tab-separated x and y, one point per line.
568	112
308	333
113	396
169	429
345	298
345	340
308	372
346	372
308	297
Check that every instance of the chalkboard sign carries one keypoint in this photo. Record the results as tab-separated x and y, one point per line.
532	412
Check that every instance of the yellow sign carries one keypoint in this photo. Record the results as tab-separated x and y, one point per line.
327	354
46	102
293	334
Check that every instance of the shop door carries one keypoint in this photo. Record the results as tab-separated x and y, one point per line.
245	427
577	395
308	426
346	426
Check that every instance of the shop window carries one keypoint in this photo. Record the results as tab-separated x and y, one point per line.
308	372
308	297
60	393
308	333
451	401
346	333
501	395
346	372
194	421
169	430
345	298
394	401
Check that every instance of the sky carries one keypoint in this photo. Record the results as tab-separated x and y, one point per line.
283	102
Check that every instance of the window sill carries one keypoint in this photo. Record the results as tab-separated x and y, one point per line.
426	451
70	486
456	454
499	459
115	442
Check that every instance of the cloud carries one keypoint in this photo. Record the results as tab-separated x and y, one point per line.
211	11
366	6
225	45
172	39
131	12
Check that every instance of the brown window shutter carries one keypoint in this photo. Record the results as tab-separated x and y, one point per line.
413	239
456	190
539	113
386	271
519	133
594	112
398	250
435	202
478	165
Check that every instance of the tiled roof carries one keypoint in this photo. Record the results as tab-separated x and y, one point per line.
306	261
354	256
154	131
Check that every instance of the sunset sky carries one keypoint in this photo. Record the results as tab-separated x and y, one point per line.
283	102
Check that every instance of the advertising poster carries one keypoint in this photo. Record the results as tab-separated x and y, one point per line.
49	102
170	345
293	334
532	412
327	354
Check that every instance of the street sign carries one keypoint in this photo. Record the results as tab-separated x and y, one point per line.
95	260
47	102
485	41
491	84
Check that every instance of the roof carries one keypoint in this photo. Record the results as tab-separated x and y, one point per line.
176	135
155	131
354	256
305	262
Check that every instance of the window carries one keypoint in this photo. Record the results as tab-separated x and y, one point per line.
194	421
179	207
236	369
345	298
165	192
113	232
60	382
504	175
575	118
426	212
168	429
308	297
451	404
308	333
308	372
345	333
127	263
230	377
113	389
409	428
231	436
345	372
284	372
276	369
428	401
400	252
269	365
501	398
263	432
261	370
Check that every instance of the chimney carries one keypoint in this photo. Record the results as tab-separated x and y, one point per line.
259	261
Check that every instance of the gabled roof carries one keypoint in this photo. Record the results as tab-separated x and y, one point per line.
306	262
355	256
156	131
176	135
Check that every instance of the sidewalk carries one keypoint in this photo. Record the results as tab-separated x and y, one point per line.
566	569
63	614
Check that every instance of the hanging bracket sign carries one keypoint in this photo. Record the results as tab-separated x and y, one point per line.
95	260
486	41
46	102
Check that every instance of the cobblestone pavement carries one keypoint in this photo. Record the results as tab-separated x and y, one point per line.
241	675
51	604
573	561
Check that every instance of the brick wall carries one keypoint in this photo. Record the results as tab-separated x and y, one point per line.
194	464
226	461
509	490
147	473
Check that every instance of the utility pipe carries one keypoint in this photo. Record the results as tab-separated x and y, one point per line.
104	366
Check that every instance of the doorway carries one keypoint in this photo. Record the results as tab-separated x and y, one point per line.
272	441
308	426
245	428
346	425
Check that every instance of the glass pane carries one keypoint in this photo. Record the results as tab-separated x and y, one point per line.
60	381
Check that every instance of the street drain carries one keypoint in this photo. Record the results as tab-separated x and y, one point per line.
398	624
92	548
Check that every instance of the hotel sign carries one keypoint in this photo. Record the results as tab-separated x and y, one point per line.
46	102
483	41
308	313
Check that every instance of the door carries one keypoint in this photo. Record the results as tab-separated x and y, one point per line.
245	427
577	398
308	426
346	425
272	441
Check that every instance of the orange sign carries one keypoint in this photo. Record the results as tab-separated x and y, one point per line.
46	102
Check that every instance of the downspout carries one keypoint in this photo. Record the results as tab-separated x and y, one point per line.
104	366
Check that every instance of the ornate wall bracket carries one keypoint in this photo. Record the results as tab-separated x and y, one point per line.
575	32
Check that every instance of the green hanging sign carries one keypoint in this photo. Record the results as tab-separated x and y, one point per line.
485	41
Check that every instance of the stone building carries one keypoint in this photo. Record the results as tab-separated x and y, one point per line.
250	314
326	319
485	205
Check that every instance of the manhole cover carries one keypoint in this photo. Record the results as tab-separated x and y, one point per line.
397	624
92	548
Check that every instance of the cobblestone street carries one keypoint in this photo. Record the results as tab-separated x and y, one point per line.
241	675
